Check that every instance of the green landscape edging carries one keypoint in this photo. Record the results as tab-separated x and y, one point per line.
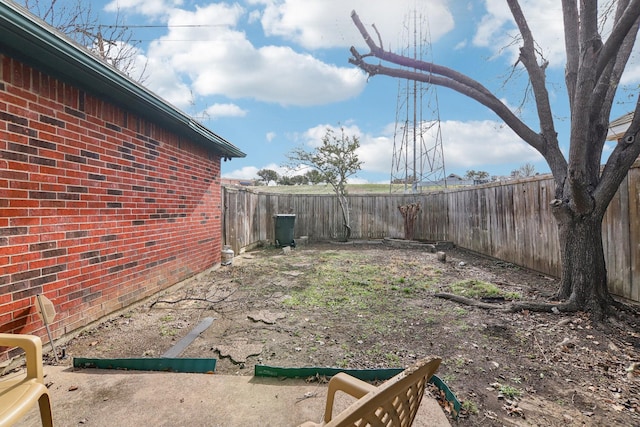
448	394
361	374
188	365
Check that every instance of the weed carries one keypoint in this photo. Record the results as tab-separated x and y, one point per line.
392	358
168	332
167	318
344	363
448	378
459	362
469	407
510	392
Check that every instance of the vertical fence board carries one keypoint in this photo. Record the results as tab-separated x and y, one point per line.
634	234
616	241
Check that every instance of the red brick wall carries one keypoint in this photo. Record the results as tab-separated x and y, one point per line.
98	207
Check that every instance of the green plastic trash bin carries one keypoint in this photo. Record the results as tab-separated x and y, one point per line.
284	229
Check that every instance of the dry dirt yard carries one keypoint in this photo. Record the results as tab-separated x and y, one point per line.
374	306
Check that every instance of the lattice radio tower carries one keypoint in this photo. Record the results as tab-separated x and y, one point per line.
418	158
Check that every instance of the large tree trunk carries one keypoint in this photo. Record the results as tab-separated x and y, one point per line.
584	274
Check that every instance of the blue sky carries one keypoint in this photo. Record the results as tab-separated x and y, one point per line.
273	75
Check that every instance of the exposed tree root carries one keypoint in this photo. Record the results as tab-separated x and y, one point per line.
513	307
470	301
543	307
190	298
621	306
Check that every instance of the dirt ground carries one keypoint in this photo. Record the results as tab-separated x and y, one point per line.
373	306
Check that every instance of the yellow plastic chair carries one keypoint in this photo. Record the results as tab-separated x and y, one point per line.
18	395
393	403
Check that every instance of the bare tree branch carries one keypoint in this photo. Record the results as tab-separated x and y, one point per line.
443	76
572	47
546	143
625	20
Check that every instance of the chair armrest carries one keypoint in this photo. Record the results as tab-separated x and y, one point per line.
32	346
347	384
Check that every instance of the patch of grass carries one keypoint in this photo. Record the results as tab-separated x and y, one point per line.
510	392
343	363
459	311
448	378
392	358
473	288
343	280
168	332
469	407
167	318
459	362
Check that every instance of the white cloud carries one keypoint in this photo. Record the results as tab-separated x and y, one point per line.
251	172
480	144
461	45
376	153
216	111
278	74
145	7
220	60
270	136
318	24
246	172
163	80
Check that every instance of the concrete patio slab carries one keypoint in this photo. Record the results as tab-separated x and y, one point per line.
109	398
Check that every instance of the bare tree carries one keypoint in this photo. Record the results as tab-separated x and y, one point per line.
113	43
583	189
524	171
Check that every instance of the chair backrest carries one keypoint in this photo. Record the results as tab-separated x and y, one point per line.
19	394
394	403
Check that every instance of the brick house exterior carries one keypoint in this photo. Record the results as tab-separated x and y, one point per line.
107	193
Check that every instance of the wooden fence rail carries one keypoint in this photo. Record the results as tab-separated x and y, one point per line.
510	221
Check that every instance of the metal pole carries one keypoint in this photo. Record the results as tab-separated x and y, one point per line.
46	325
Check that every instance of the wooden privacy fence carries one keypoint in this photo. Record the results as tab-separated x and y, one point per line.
511	221
249	216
